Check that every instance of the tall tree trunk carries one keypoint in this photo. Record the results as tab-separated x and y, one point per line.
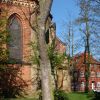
87	57
84	20
45	67
87	64
45	7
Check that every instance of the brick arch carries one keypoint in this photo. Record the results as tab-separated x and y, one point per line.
15	15
15	45
23	14
20	19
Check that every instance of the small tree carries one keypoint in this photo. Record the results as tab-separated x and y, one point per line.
56	60
11	82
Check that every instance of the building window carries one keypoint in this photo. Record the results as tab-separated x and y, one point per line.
47	36
81	74
98	84
91	65
95	65
82	84
0	11
92	74
15	32
93	85
98	74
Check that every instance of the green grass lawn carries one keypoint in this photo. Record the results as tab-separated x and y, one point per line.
22	99
71	96
78	96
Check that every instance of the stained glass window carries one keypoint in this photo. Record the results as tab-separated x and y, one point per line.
15	43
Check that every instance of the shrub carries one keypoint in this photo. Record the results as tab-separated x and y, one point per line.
97	95
60	95
91	95
11	82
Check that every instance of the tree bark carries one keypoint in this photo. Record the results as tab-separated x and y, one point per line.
45	66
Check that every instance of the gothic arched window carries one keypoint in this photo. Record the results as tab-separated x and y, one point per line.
15	32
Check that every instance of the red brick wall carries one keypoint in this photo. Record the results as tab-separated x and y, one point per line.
60	46
23	15
94	68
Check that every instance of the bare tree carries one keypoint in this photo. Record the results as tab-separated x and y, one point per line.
85	23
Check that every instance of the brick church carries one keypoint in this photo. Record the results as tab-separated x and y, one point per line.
21	34
18	17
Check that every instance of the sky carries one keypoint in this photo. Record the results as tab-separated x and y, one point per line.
63	11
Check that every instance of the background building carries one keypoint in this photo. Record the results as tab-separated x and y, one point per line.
79	73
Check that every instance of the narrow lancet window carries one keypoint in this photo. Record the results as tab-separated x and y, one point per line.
15	41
